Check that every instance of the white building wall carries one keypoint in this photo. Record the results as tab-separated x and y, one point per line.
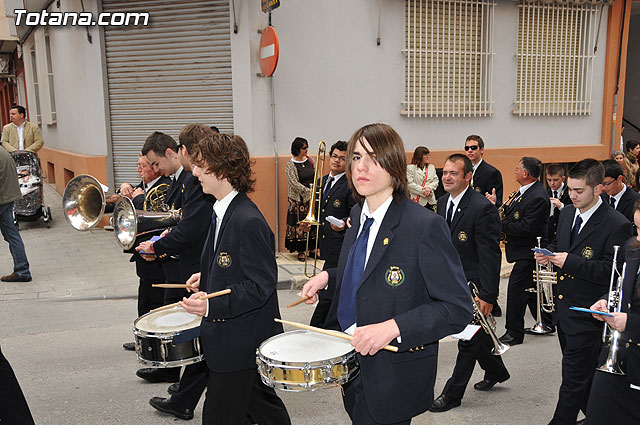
332	78
78	84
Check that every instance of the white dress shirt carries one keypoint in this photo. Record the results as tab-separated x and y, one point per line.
20	129
586	215
455	201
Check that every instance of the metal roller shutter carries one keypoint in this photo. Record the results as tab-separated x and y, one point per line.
175	71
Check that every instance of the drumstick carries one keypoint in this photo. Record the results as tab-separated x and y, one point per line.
171	285
328	332
300	301
215	294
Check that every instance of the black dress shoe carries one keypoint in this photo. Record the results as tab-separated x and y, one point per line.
129	346
444	403
165	405
159	375
484	385
174	388
497	311
509	339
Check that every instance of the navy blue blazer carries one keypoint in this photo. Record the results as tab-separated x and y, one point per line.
475	233
587	270
625	205
414	276
526	219
187	238
337	203
244	261
486	178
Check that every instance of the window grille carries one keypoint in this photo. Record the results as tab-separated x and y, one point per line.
36	89
449	58
555	58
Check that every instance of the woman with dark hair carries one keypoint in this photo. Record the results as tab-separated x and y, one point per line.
399	280
422	178
299	172
615	398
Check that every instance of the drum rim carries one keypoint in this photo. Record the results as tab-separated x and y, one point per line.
311	365
141	332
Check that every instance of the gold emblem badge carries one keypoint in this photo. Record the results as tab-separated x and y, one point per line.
224	260
462	236
394	276
587	252
516	215
385	241
337	203
478	189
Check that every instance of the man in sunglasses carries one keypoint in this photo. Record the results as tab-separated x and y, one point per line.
486	178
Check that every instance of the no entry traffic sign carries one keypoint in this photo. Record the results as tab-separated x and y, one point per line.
269	51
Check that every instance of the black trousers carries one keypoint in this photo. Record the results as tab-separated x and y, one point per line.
148	296
356	405
13	405
478	348
234	395
612	401
579	361
325	296
192	384
518	298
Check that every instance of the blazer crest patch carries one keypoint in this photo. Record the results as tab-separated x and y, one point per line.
516	215
462	236
394	276
478	189
337	203
587	252
224	260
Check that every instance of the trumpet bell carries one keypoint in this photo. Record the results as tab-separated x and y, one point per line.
83	202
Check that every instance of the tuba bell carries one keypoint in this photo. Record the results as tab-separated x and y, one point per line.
129	224
85	201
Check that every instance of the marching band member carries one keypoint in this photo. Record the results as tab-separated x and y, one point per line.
486	178
583	253
337	202
475	232
187	241
525	218
558	196
616	193
398	280
614	399
239	255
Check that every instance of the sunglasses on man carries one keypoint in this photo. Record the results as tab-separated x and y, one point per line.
471	148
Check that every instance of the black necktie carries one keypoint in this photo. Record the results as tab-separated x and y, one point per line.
576	228
328	188
352	276
212	233
450	213
612	202
555	194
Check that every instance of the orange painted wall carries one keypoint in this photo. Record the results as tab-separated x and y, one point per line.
54	162
503	159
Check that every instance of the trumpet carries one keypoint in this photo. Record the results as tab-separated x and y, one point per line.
488	323
545	279
614	304
313	217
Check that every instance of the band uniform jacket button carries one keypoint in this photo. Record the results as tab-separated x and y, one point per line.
560	296
626	345
323	236
323	210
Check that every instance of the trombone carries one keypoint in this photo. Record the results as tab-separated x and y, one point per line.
488	323
313	217
614	304
545	279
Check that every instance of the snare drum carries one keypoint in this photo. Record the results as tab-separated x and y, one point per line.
305	361
168	338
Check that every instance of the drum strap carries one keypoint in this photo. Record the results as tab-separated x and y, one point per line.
187	335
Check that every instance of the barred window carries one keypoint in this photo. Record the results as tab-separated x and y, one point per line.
449	58
555	58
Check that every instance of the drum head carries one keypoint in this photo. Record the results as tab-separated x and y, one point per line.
304	347
172	320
